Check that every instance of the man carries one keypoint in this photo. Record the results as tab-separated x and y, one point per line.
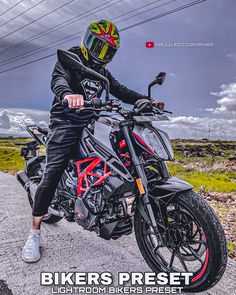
98	48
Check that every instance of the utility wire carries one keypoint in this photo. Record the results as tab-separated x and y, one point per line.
163	14
27	63
142	12
42	48
10	8
183	7
77	34
55	28
20	14
35	20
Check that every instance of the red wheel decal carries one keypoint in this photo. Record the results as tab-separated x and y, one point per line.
205	263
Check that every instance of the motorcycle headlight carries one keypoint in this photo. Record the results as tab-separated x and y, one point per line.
159	142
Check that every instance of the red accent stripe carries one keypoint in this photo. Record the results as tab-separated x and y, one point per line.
122	144
205	263
139	139
110	30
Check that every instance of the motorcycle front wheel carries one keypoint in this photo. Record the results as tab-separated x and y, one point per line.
197	243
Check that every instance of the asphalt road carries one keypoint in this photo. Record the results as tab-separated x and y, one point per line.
65	247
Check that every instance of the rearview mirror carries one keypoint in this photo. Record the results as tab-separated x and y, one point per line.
160	78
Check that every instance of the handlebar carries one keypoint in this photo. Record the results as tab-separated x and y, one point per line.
96	104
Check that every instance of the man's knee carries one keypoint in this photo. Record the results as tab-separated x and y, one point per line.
53	173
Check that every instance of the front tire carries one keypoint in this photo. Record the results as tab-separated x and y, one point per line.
212	257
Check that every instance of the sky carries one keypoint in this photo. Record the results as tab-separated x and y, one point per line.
196	47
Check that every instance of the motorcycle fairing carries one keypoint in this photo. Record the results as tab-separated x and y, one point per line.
140	141
99	144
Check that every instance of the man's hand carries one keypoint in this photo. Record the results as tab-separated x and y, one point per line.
158	104
75	101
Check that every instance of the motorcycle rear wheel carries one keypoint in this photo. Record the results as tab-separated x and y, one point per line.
199	242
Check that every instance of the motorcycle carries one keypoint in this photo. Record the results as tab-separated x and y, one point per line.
120	182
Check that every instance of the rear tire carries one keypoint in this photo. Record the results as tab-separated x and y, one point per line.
36	170
216	247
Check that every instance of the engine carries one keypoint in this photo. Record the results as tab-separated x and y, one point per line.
106	209
102	201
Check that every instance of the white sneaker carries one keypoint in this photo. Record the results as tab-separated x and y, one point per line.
30	252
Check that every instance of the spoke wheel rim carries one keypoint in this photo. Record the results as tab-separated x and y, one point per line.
176	253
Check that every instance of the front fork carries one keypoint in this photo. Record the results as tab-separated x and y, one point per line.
141	181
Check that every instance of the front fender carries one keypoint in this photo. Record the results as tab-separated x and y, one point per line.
170	186
165	191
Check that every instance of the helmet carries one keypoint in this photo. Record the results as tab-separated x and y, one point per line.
100	42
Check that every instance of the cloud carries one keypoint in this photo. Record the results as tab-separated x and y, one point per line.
226	101
231	55
200	127
13	121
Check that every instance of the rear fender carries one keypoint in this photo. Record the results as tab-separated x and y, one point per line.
40	160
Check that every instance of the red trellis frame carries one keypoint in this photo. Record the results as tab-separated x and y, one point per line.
92	164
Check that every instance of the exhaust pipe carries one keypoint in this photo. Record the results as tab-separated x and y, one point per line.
31	188
56	212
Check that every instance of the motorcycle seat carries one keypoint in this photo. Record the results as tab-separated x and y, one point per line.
43	129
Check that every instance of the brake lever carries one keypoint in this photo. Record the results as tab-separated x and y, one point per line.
160	112
88	108
168	112
94	109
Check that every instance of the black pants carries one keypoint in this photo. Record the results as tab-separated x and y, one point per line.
61	146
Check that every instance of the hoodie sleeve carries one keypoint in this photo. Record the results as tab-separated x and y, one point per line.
60	83
122	92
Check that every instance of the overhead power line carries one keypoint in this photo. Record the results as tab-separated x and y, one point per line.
142	12
10	8
37	19
54	28
20	14
30	62
183	7
163	14
77	34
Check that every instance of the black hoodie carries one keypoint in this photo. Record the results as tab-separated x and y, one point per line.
65	81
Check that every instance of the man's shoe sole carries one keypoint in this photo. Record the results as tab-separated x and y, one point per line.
30	261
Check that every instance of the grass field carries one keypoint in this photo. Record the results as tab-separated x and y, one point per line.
209	180
10	160
209	166
205	173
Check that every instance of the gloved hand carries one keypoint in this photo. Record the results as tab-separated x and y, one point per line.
158	104
143	105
